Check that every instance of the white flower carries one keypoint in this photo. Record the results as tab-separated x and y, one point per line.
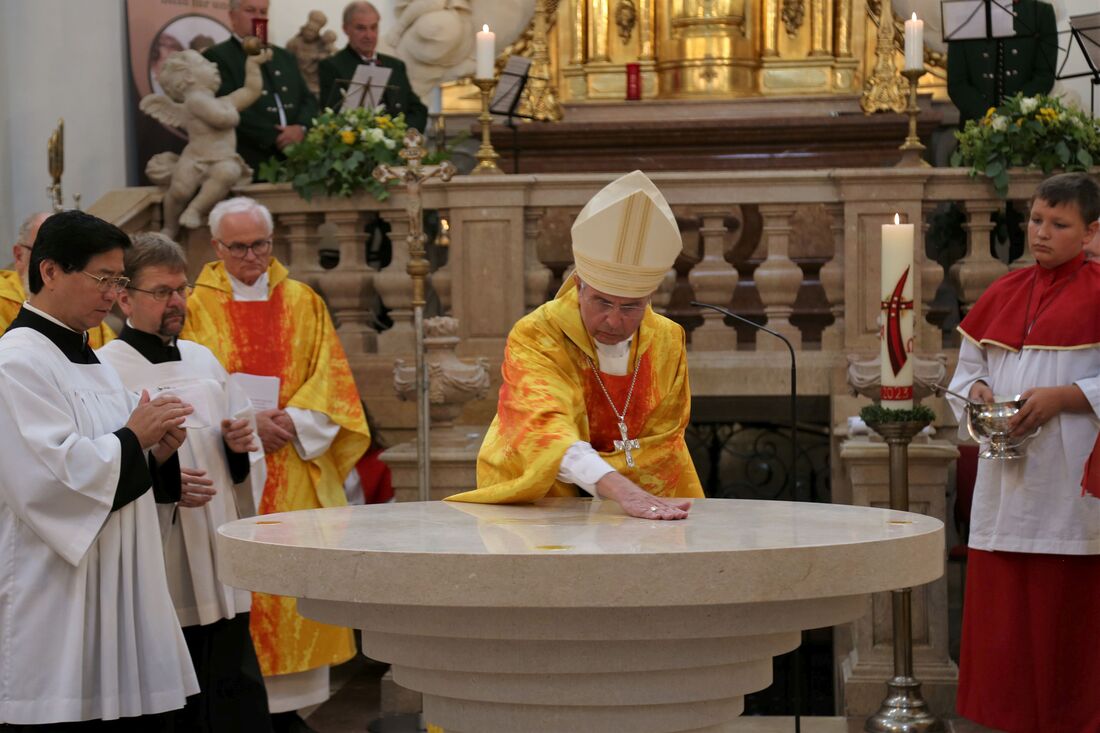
390	144
1029	105
375	135
999	123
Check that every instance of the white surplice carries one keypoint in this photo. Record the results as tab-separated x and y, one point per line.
1034	504
87	627
189	533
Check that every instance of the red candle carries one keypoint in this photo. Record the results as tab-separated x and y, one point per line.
259	28
633	81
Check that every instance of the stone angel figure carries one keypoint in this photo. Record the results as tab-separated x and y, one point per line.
310	46
435	38
209	167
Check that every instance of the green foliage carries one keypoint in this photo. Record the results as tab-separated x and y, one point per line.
876	413
340	152
1034	132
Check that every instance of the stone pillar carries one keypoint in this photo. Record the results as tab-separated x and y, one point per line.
301	233
929	336
348	288
714	280
977	270
1026	259
536	276
832	281
864	668
441	276
778	278
395	287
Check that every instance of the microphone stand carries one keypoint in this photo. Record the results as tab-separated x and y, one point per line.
793	474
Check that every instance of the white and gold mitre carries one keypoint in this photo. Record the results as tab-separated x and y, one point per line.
626	239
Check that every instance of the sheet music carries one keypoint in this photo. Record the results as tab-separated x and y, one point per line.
964	20
366	87
1088	31
510	85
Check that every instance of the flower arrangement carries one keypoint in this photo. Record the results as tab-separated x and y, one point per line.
339	153
1038	132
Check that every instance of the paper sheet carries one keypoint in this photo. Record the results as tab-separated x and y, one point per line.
263	392
194	395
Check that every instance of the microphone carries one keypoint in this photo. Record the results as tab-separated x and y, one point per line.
793	476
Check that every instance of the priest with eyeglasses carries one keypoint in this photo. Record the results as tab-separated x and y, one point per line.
262	324
88	635
223	469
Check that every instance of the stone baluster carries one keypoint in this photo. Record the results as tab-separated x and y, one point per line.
929	336
536	276
832	281
300	230
713	279
348	287
1027	259
394	285
978	269
778	278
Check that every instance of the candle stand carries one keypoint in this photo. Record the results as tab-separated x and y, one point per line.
486	156
904	709
912	150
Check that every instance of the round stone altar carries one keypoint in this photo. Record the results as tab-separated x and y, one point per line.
567	616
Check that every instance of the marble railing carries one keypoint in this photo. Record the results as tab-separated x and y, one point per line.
797	250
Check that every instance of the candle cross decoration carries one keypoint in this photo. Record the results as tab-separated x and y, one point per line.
896	328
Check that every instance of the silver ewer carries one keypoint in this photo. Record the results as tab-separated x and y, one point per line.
988	425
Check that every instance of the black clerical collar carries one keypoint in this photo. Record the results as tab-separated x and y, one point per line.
150	345
73	344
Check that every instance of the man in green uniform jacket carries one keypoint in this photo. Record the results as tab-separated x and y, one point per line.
361	26
285	109
983	73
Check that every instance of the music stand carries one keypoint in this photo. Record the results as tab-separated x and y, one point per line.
1085	29
967	20
367	79
506	99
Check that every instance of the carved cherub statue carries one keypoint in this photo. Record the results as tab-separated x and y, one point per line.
209	164
310	46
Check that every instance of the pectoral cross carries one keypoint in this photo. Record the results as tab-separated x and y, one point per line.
627	444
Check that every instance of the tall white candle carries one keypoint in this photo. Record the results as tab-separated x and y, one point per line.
914	43
435	101
486	52
896	329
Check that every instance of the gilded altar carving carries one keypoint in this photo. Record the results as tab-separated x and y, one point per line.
626	16
793	13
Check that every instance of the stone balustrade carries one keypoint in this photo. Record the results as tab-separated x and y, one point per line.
796	250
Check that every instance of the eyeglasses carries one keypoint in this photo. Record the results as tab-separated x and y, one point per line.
239	251
108	282
163	294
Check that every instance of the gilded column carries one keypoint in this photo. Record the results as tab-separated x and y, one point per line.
770	41
819	28
600	27
842	29
778	278
646	28
580	32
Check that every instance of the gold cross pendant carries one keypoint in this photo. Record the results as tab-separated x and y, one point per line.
627	444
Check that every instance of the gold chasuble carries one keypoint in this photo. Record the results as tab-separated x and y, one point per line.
551	399
289	336
12	296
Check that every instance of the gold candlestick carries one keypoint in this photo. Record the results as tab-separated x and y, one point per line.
912	149
486	156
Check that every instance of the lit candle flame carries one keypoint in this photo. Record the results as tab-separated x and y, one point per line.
484	28
914	16
897	219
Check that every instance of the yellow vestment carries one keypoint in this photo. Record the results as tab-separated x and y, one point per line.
289	336
550	400
12	296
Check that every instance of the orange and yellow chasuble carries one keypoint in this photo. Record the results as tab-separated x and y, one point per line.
12	296
551	398
289	336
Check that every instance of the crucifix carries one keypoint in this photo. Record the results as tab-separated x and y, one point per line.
413	174
627	444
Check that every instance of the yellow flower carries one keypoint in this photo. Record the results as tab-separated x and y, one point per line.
1020	122
384	121
348	136
990	112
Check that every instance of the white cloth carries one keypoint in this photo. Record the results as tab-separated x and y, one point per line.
1035	504
315	430
581	465
189	533
286	692
87	628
